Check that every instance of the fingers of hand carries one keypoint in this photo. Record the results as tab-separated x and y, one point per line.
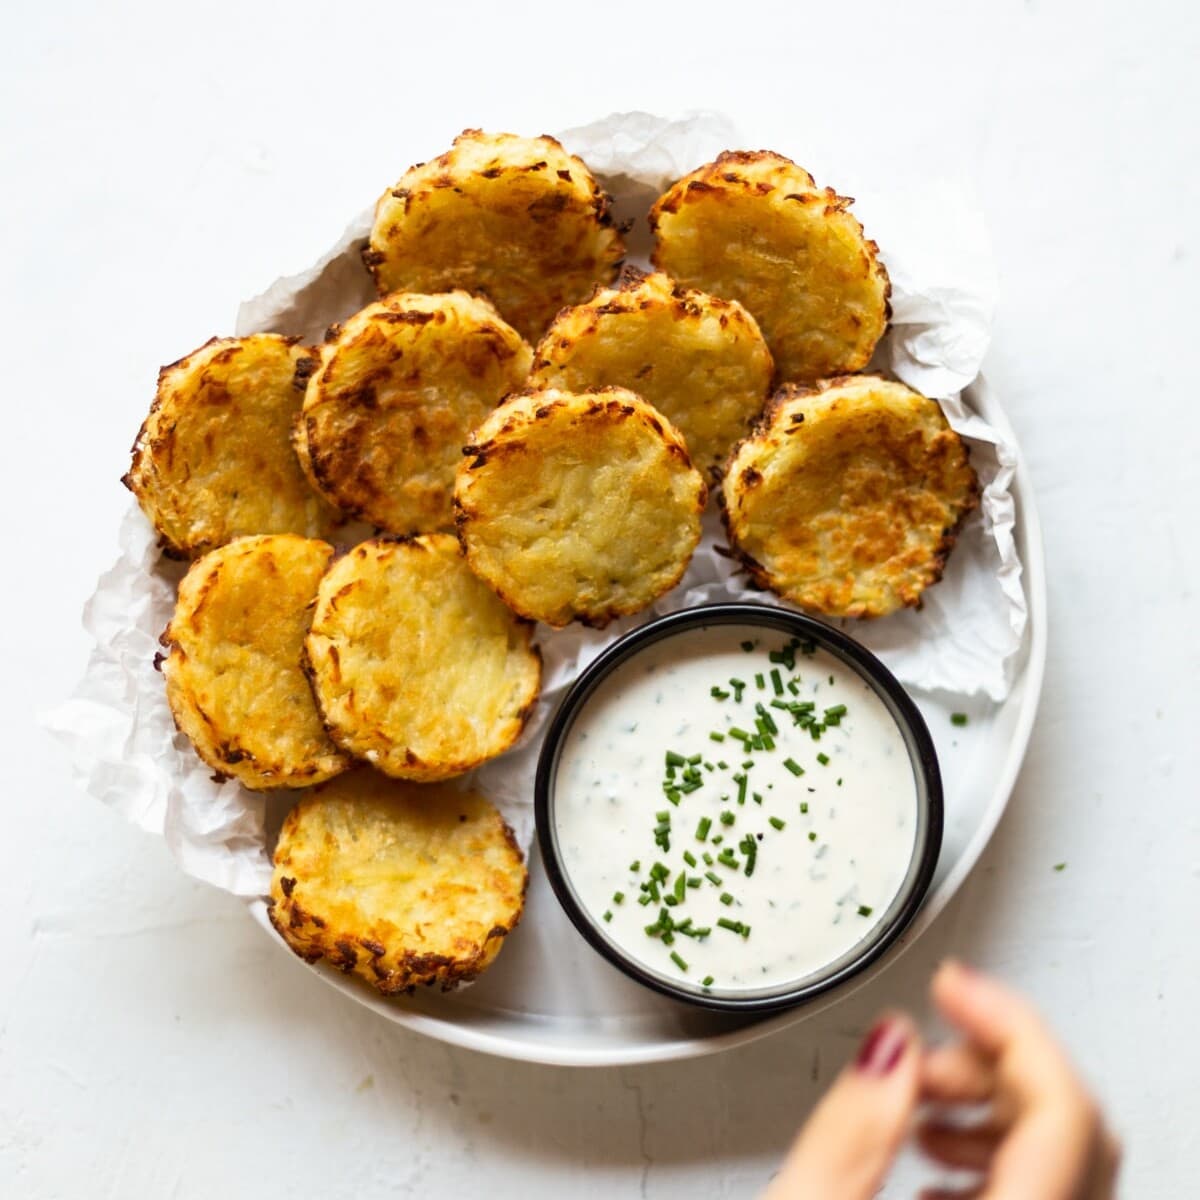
967	1147
957	1074
1029	1066
847	1145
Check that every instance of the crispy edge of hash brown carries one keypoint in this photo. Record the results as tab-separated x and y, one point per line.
340	838
561	499
848	497
232	662
416	665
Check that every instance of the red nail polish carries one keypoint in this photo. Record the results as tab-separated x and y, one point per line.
882	1048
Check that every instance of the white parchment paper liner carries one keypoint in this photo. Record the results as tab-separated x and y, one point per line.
118	729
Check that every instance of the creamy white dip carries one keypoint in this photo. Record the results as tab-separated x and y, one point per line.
832	819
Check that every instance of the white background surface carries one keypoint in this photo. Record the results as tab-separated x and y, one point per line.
157	165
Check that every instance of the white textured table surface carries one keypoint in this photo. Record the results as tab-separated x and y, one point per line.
156	166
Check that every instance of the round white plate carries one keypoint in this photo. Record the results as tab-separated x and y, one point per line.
551	998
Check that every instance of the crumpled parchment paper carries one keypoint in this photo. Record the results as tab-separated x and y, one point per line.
117	726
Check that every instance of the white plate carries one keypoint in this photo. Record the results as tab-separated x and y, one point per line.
551	998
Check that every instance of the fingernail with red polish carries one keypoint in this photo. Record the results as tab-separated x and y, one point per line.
882	1048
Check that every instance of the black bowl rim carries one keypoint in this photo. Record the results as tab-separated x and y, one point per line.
904	710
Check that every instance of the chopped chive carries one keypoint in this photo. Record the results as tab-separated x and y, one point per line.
636	865
768	742
727	818
1062	866
823	759
608	915
722	764
665	815
958	718
831	681
777	681
865	910
702	829
713	878
839	782
707	981
694	881
767	720
726	899
716	841
793	687
680	886
748	647
760	681
675	760
793	766
776	822
716	737
678	961
757	797
707	858
718	694
740	734
804	806
689	858
812	836
838	710
618	897
694	759
741	782
643	899
732	926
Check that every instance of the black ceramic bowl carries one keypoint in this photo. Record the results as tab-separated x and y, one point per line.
926	846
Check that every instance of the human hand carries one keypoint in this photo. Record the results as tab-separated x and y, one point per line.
1044	1138
847	1145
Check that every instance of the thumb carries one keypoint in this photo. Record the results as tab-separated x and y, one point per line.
847	1146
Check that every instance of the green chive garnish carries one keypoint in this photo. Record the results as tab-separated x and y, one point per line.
726	899
823	759
675	760
636	865
702	829
678	961
713	878
618	897
727	818
689	858
716	737
793	766
804	806
707	981
958	718
608	916
865	910
812	837
777	823
777	681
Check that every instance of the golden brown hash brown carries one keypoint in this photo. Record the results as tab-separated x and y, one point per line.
232	668
518	219
752	226
214	458
848	497
416	665
701	361
578	506
402	884
393	398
